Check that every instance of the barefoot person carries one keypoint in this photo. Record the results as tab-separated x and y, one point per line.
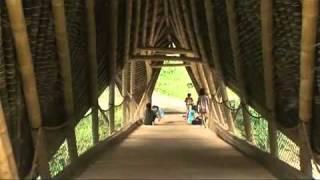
189	103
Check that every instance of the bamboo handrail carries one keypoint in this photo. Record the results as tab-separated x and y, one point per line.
65	70
267	45
8	169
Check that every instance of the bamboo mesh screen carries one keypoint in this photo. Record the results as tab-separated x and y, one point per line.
287	36
249	27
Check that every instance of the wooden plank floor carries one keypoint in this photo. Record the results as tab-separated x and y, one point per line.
174	150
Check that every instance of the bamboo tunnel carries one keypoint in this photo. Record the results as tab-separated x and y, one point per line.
58	10
93	72
268	64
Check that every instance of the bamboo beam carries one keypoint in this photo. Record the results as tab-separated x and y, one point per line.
170	65
93	74
145	23
176	24
193	79
310	13
164	58
154	21
8	169
234	38
113	63
189	28
18	26
158	31
216	56
166	50
137	27
65	68
178	16
267	54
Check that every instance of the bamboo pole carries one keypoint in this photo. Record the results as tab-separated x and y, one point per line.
189	28
216	55
145	23
137	27
167	50
164	58
93	74
176	25
113	63
158	32
154	21
193	79
267	46
8	169
19	29
65	68
234	38
310	12
125	78
18	26
178	16
171	65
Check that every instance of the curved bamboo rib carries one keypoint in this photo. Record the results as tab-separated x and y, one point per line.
310	14
23	50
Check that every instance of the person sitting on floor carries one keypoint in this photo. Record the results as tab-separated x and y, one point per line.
150	115
158	111
192	114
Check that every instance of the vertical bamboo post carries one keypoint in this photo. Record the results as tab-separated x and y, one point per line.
234	38
310	12
125	72
18	26
216	56
193	79
114	48
93	74
65	68
8	168
267	45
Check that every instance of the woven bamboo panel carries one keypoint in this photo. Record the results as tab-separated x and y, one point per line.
287	36
141	81
249	28
224	40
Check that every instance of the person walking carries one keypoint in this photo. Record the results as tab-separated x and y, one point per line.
203	104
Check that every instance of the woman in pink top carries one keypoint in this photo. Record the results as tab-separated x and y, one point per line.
203	104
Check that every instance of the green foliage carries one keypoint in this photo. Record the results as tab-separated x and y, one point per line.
175	82
84	135
59	160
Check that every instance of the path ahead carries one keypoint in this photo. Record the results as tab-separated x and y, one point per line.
174	150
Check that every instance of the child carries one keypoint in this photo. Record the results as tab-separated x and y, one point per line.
192	114
189	103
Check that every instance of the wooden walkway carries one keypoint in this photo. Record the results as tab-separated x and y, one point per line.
174	150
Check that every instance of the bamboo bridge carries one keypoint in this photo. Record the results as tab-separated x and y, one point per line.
57	57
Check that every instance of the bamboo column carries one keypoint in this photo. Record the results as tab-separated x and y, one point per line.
193	79
113	63
267	45
8	168
234	38
125	78
65	68
24	56
93	74
216	55
310	12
